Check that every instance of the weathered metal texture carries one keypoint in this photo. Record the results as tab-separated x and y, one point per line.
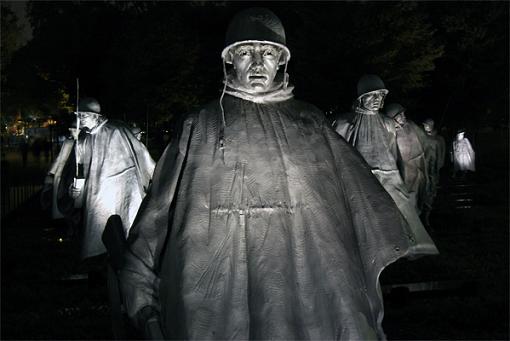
282	234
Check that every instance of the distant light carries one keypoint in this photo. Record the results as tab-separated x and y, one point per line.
60	240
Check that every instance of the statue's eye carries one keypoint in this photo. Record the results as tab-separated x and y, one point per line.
244	52
269	52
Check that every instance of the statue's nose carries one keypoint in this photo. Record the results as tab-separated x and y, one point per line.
257	56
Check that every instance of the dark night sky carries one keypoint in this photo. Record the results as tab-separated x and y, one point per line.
448	60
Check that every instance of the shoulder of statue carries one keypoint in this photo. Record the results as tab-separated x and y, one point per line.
389	124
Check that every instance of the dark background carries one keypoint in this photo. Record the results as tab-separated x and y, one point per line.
445	60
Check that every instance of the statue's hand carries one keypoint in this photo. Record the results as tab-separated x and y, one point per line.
74	192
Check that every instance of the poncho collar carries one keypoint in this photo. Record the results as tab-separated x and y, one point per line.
278	93
360	110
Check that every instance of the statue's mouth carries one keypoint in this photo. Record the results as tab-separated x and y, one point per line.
257	77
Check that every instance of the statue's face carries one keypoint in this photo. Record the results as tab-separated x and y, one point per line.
373	101
460	136
255	66
88	119
401	119
428	128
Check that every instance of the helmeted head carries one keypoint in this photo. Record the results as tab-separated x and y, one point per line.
137	131
89	112
255	46
396	112
460	133
428	126
371	92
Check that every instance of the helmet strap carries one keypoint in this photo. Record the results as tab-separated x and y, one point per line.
285	75
221	140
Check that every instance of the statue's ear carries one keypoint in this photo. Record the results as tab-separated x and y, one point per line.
229	57
283	58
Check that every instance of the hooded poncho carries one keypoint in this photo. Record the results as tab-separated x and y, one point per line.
117	170
281	234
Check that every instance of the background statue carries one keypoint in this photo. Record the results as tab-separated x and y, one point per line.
463	154
411	154
374	136
116	169
435	151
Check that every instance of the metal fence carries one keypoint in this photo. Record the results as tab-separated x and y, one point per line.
22	178
15	196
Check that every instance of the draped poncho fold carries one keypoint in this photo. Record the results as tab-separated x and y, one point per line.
281	234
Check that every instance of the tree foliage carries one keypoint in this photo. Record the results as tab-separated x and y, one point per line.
472	75
9	34
343	41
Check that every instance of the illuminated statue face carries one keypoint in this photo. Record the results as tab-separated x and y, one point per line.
460	136
88	119
373	101
255	66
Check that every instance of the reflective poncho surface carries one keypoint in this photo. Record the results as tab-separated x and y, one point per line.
374	136
56	169
463	155
118	172
281	235
412	162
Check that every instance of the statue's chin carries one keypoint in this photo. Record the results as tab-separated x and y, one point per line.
255	88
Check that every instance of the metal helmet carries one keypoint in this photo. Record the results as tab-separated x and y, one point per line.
255	25
393	109
429	122
89	104
136	130
370	83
